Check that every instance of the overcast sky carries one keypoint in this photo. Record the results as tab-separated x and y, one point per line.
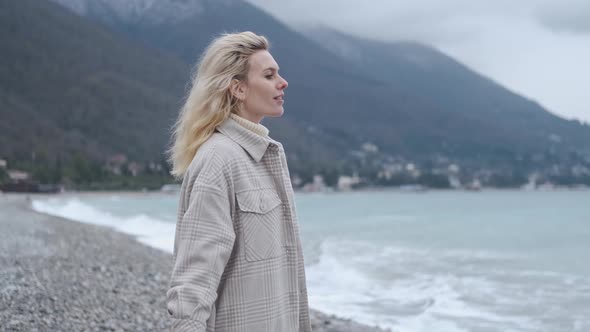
537	48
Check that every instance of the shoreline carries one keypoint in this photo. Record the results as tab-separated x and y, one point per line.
65	275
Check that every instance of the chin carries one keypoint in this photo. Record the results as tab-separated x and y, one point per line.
276	114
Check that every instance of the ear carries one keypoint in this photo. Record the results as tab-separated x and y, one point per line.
238	89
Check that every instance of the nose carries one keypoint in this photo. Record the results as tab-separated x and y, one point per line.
283	84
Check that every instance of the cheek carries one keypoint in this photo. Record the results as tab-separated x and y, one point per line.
261	91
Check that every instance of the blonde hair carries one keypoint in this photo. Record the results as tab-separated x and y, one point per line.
210	101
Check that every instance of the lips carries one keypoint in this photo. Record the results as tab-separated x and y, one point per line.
279	97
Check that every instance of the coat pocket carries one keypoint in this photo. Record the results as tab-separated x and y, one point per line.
260	217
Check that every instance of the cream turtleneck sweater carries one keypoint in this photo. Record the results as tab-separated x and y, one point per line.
255	127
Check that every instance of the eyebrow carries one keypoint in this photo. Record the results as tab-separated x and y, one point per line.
272	69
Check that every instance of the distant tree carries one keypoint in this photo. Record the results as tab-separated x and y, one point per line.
570	180
330	175
507	180
397	180
81	169
3	175
439	181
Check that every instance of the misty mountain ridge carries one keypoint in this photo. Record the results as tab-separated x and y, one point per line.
420	69
412	70
154	11
74	87
132	65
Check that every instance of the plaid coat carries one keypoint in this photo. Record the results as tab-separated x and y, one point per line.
238	263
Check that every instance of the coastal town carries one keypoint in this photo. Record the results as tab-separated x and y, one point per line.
366	168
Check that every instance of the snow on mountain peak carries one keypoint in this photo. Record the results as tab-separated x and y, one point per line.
131	10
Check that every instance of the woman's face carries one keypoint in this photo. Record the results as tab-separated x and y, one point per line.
263	93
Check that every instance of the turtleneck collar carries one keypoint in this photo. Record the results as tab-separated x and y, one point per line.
255	127
256	145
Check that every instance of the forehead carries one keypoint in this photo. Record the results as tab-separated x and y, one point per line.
262	60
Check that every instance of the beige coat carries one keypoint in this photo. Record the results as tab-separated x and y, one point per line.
238	263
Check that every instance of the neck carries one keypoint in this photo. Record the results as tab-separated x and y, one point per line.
253	126
248	116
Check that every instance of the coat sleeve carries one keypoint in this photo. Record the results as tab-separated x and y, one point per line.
203	244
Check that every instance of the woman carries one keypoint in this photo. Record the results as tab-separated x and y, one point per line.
238	263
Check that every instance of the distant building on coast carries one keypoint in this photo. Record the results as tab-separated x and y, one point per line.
115	163
346	183
21	181
317	184
18	176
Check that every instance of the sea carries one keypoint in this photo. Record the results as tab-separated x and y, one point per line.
433	261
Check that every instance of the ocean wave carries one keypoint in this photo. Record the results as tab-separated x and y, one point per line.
148	230
408	289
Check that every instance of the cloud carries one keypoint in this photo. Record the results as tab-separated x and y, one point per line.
385	19
573	18
537	48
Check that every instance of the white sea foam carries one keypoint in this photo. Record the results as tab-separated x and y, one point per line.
357	280
148	230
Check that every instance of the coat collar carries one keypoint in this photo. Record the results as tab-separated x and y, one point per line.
250	141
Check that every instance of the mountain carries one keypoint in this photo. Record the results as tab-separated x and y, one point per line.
312	70
71	86
456	90
406	98
154	11
112	81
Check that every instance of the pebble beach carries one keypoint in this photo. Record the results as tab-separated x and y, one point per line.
62	275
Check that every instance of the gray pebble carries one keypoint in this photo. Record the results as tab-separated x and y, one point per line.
61	275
